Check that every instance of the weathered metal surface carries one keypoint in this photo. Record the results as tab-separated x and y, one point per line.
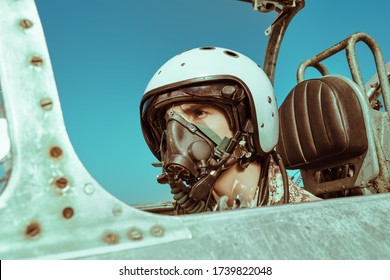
380	121
349	45
51	206
287	10
344	228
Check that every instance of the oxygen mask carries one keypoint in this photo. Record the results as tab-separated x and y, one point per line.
193	156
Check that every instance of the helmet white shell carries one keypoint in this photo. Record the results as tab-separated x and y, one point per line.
213	63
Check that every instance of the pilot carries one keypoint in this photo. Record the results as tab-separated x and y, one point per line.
210	117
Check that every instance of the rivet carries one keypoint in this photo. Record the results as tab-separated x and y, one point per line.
32	230
89	188
269	99
117	210
55	152
273	114
46	104
36	61
68	212
25	24
262	125
135	234
61	182
111	238
157	231
182	64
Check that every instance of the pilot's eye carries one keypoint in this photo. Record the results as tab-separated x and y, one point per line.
199	114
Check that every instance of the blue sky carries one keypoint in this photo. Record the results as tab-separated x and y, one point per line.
104	53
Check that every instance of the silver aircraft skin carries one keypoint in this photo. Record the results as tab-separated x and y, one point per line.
52	208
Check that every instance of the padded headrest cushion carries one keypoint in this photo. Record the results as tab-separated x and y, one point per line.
321	122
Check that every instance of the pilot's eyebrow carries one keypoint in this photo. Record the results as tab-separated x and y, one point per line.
193	107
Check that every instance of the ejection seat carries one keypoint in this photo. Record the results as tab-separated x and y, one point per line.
325	132
331	127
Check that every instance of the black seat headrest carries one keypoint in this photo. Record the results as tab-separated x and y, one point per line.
321	122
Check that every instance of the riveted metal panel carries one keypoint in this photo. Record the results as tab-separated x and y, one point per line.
51	206
53	209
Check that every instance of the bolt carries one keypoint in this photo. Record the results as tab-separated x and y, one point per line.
192	127
46	104
68	212
248	154
55	152
25	24
111	238
135	234
36	61
61	183
32	230
89	188
157	231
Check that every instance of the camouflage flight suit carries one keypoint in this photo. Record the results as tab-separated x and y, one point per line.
276	191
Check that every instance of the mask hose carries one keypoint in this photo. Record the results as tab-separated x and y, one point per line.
283	170
184	201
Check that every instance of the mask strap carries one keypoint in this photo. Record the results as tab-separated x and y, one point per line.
163	135
221	144
161	150
209	133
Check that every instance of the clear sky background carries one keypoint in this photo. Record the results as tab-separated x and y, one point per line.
104	53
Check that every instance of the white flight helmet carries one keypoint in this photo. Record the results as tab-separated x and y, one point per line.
212	65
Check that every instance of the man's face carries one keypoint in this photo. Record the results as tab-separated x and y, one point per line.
232	181
205	114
